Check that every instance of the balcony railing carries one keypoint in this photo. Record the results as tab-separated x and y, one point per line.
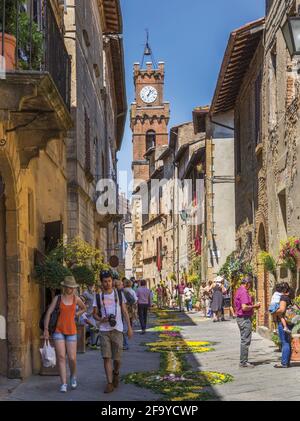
39	42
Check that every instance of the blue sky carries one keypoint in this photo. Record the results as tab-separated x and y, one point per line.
191	37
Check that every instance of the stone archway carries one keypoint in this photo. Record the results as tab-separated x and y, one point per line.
10	254
263	280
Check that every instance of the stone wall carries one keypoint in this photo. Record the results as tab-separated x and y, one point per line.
45	179
280	133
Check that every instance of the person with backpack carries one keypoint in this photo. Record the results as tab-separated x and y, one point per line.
109	306
131	299
64	333
119	285
144	297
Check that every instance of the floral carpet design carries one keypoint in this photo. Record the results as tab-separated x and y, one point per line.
175	380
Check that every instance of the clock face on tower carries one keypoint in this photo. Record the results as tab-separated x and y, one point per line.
148	94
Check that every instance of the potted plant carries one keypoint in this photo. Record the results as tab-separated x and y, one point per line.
51	273
30	38
9	34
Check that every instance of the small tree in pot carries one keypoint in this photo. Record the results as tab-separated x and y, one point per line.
30	38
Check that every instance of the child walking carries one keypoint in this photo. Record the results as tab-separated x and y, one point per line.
274	306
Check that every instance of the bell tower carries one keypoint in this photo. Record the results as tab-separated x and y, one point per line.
150	115
149	118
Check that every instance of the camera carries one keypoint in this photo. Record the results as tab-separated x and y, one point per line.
112	320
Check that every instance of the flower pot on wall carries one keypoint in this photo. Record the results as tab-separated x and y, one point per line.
9	51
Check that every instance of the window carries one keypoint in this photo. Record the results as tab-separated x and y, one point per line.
97	159
103	166
282	214
150	139
258	86
88	154
238	146
160	200
201	124
30	212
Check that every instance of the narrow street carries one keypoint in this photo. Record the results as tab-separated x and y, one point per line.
261	383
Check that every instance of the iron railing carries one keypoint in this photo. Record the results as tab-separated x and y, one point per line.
39	41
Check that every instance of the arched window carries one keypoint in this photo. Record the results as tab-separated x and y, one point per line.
150	139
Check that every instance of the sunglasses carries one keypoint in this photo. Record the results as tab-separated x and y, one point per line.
105	274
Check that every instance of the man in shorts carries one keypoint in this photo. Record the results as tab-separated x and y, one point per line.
108	309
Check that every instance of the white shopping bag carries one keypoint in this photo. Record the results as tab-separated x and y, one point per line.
48	355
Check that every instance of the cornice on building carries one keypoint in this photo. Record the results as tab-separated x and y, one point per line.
239	53
112	26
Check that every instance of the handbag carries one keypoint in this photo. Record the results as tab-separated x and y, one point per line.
48	355
53	317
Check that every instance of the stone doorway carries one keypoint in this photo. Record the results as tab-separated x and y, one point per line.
3	284
263	281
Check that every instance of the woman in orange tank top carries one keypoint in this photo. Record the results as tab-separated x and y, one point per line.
65	335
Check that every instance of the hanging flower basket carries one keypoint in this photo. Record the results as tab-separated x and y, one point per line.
290	253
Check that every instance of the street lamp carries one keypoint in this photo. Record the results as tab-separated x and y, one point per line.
291	33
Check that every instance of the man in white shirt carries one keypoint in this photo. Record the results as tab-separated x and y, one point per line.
108	309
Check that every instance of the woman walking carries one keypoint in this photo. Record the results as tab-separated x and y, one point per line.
144	303
285	338
188	296
65	335
217	300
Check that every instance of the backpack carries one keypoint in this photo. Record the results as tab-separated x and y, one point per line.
129	298
99	301
53	317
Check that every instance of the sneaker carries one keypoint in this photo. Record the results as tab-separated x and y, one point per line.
247	365
116	380
125	348
280	366
109	388
63	388
73	382
93	347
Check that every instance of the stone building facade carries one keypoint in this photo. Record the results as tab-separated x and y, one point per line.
34	119
280	132
52	148
259	82
99	111
157	225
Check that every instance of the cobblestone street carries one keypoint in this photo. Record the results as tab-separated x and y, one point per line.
260	383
